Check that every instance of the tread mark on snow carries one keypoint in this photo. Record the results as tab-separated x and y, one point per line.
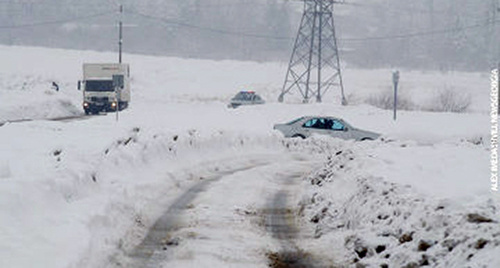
149	252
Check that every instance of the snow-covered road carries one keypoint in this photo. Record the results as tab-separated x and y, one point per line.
231	218
163	234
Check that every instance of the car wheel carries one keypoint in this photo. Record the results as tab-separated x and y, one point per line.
366	139
298	136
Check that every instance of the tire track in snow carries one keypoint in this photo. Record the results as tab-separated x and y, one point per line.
280	223
150	252
62	119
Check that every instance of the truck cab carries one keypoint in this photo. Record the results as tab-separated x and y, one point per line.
101	91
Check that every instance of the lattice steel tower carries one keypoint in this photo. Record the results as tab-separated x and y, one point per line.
314	65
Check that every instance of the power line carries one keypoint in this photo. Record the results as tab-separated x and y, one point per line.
42	23
394	9
398	10
251	35
209	29
361	39
416	34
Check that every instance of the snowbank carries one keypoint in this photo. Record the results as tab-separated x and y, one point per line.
404	205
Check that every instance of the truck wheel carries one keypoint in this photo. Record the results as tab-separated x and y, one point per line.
122	106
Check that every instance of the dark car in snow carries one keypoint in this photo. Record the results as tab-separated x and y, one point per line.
245	98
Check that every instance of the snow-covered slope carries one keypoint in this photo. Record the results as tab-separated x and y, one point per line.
402	204
75	192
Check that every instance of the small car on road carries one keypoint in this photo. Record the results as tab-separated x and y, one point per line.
306	126
245	98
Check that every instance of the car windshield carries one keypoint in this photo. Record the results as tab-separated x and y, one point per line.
294	121
99	85
243	95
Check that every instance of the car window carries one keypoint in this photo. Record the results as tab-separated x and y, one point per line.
328	124
244	96
310	123
318	123
337	125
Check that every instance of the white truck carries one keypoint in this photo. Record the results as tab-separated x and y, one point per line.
105	87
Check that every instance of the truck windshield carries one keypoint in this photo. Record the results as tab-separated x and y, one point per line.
99	85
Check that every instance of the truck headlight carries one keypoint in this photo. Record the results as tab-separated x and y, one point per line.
85	104
113	104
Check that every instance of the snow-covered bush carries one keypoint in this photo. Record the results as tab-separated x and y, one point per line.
446	100
385	100
449	100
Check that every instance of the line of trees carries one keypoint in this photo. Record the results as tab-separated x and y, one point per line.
176	35
208	29
467	34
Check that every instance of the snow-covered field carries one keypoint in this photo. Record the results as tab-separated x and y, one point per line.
83	192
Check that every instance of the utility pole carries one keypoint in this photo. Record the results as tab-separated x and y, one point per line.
120	35
118	85
431	42
315	54
117	80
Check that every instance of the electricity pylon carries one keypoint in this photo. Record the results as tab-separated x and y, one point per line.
315	65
